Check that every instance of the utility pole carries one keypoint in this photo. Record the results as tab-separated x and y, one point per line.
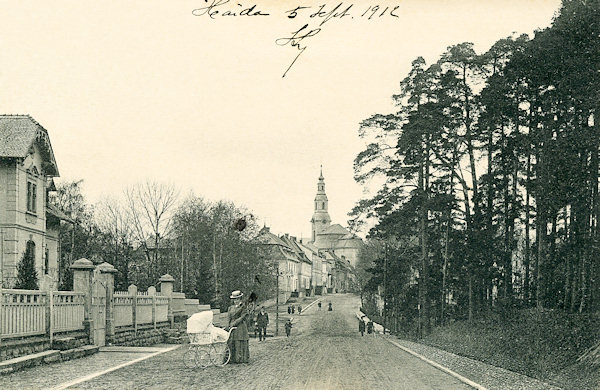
385	292
277	304
181	285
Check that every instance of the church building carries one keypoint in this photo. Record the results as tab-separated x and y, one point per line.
334	241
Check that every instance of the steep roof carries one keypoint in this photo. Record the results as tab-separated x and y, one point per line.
55	211
295	247
18	133
343	263
267	238
288	254
335	229
348	241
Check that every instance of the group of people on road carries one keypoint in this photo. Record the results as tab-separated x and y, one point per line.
329	308
241	317
362	325
292	309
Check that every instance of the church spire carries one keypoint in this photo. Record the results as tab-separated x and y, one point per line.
320	220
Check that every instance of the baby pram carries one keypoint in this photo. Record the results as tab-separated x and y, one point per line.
208	343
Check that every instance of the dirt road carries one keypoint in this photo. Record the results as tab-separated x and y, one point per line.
325	351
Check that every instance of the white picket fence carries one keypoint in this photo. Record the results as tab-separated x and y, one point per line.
33	312
148	308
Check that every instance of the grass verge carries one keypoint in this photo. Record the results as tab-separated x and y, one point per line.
543	344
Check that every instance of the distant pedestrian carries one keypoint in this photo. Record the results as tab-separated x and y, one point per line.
370	327
262	320
293	309
299	309
289	309
319	305
329	308
288	327
361	326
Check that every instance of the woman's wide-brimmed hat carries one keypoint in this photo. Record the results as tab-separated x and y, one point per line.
236	294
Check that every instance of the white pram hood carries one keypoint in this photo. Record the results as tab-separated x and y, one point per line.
202	323
199	322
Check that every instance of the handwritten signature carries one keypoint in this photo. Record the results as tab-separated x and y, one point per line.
295	40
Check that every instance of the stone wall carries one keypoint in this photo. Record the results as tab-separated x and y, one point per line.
144	336
10	349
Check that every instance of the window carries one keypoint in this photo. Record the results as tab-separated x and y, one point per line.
46	262
31	197
30	251
323	205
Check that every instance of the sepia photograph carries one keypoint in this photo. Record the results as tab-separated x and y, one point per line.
300	194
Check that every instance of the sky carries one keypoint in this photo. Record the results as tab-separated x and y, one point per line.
135	90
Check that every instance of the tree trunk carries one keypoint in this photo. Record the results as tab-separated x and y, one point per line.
423	314
526	291
506	251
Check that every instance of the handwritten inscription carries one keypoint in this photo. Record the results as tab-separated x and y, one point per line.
316	15
216	8
295	41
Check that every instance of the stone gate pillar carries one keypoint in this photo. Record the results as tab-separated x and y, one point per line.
82	283
166	289
107	275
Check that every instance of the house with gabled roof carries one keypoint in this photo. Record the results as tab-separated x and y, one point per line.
304	277
280	254
317	282
29	224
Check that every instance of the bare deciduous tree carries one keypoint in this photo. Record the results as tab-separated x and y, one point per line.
149	207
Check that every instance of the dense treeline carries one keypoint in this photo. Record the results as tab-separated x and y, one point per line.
149	232
492	163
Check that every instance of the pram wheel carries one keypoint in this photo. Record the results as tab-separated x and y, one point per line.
220	356
189	358
203	358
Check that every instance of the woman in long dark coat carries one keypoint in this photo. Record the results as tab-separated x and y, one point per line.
237	313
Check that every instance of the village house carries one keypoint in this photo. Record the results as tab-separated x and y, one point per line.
304	270
318	284
279	253
29	225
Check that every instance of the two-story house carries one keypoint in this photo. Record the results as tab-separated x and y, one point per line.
28	224
282	257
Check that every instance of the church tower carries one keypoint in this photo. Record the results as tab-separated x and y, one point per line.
320	219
